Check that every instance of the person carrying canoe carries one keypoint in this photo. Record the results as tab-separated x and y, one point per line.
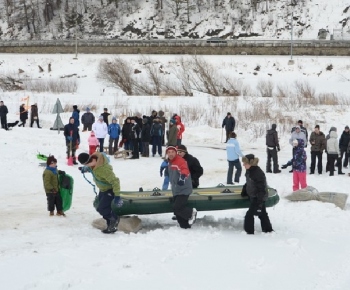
108	184
256	189
181	187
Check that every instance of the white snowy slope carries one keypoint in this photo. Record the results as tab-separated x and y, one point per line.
309	249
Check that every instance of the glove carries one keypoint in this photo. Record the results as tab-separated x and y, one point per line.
61	172
278	149
284	166
181	180
118	201
83	169
244	191
69	138
258	209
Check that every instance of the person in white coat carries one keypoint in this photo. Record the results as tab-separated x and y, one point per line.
101	130
333	153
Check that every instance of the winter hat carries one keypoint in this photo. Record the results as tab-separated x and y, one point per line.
274	126
75	107
51	159
295	142
170	148
333	129
346	127
92	133
182	148
161	113
297	127
250	159
88	109
114	119
83	158
100	117
228	114
172	121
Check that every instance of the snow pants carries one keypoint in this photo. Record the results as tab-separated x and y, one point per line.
54	199
266	226
299	180
104	208
181	211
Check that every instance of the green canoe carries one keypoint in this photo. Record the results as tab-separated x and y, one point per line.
203	199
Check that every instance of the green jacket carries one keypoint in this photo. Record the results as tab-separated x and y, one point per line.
50	181
104	176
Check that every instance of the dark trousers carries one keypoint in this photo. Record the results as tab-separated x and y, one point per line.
4	122
54	199
135	149
272	154
181	211
23	123
145	149
315	154
346	158
101	140
227	135
331	158
87	127
32	122
231	164
104	208
113	145
71	148
266	226
157	144
178	142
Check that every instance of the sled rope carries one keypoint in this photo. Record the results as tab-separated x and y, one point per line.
88	169
93	185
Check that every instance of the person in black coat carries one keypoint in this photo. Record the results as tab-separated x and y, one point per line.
343	145
23	115
255	189
229	123
105	115
273	147
71	135
3	115
126	131
193	164
135	136
145	137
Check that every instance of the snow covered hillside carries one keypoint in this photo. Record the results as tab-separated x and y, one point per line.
169	19
309	249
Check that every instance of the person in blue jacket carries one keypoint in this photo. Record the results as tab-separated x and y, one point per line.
233	153
113	132
75	116
164	167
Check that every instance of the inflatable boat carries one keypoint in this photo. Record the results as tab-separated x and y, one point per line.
203	199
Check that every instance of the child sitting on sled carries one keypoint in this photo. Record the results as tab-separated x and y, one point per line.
93	143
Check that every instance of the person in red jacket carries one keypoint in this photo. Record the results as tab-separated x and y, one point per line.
180	129
181	187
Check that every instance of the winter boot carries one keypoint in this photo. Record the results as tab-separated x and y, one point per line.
193	218
60	213
75	161
113	226
52	213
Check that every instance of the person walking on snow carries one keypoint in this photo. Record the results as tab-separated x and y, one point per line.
318	144
256	189
273	147
23	115
70	133
193	164
51	187
113	132
93	143
3	115
233	152
181	187
100	129
108	184
299	165
229	123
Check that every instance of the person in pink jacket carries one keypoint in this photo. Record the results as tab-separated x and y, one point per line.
93	143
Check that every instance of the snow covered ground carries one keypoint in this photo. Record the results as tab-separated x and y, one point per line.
308	250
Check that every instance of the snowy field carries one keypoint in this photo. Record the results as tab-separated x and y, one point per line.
309	249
